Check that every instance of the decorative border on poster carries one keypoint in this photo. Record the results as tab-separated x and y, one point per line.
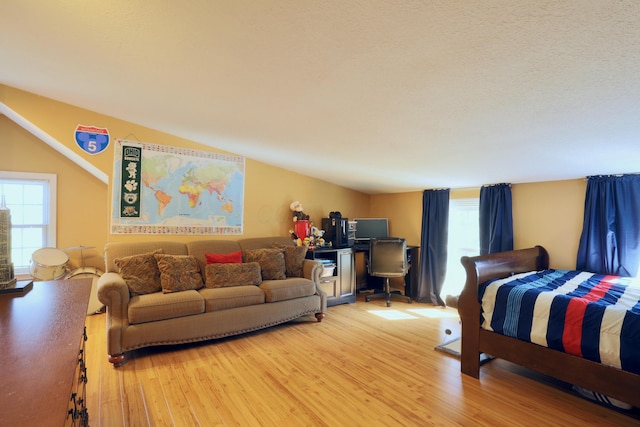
120	224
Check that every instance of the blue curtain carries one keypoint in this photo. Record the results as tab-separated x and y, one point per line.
610	240
496	221
433	245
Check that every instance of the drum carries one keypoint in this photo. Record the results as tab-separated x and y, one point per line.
48	264
95	306
84	272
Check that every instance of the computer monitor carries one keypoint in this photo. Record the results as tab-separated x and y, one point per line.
367	228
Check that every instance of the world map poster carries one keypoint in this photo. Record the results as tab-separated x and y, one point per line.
161	190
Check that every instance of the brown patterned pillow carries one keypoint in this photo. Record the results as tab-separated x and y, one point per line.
232	274
140	272
179	273
293	258
271	262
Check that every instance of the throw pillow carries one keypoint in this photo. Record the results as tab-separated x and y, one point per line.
271	262
233	257
293	259
140	272
178	273
225	275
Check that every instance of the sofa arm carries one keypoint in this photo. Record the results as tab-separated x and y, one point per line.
113	292
112	289
312	270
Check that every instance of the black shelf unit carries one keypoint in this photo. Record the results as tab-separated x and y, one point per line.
339	283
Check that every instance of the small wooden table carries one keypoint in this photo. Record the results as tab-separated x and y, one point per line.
41	332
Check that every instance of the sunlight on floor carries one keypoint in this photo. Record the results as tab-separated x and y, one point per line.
435	313
392	314
432	313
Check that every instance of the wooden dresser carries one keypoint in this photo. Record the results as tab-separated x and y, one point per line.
42	372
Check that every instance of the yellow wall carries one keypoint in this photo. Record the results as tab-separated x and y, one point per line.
546	213
404	211
82	218
84	201
550	214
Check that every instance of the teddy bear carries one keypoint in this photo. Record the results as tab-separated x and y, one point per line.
298	211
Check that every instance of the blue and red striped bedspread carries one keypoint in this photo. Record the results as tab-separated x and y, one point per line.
593	316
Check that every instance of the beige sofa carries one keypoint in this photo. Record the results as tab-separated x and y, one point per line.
159	318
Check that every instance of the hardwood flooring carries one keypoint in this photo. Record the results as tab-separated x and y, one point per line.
363	365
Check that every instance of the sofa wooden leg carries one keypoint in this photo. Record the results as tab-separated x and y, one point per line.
320	316
116	359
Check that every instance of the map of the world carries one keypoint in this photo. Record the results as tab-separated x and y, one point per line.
159	189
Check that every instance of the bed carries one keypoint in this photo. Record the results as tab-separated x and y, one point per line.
612	381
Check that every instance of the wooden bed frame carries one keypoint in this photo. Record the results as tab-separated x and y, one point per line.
594	376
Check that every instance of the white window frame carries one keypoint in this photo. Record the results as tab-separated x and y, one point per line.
50	182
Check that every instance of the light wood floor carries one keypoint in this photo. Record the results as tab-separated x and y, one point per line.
355	368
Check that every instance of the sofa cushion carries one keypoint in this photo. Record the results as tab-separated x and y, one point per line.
226	298
228	275
233	257
271	262
160	306
115	250
280	290
293	259
179	272
140	273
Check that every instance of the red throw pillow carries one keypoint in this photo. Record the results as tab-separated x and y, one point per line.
232	258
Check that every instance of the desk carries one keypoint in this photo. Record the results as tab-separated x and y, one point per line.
369	282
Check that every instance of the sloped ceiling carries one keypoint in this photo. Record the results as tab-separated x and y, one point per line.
379	96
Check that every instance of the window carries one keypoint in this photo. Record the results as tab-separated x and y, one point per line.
31	198
464	240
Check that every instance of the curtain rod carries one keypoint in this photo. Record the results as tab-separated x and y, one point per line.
493	185
619	175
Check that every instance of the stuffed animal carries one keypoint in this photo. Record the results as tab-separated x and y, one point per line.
298	211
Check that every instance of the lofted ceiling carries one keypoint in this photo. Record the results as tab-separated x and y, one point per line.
380	96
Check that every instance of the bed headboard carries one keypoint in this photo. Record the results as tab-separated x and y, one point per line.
502	264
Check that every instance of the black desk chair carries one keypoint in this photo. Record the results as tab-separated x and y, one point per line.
388	258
